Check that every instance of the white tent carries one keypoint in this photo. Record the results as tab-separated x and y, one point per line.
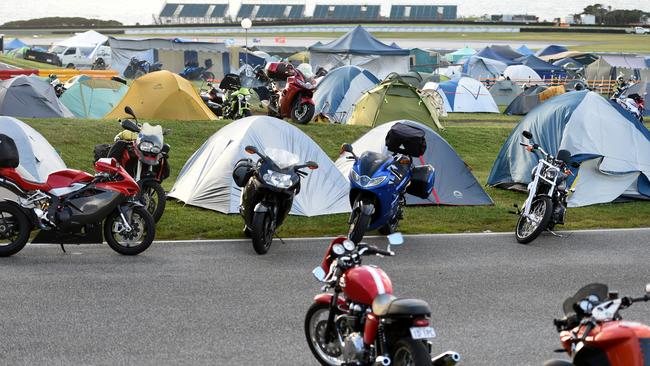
38	159
467	95
521	73
206	179
86	39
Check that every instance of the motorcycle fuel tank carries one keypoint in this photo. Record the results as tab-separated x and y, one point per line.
362	284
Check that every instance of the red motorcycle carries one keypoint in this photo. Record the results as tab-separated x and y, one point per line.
594	334
71	206
294	100
360	322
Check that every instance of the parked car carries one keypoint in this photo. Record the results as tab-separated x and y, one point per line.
82	57
641	30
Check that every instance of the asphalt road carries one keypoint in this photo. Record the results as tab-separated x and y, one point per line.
220	304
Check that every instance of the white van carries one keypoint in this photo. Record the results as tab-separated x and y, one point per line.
80	57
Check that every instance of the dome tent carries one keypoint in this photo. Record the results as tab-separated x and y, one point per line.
551	50
542	68
206	178
454	183
478	68
521	72
459	54
30	97
524	50
391	100
505	91
467	95
93	98
612	147
38	159
531	98
340	89
163	95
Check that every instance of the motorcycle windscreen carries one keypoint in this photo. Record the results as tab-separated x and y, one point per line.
282	158
370	162
153	134
599	290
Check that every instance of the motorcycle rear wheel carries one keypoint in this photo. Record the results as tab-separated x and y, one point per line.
527	231
261	232
302	112
134	242
14	229
315	321
153	197
360	223
410	352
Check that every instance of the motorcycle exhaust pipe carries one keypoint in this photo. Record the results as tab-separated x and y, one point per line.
448	358
382	361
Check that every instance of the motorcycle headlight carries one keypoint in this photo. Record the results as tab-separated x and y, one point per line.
551	173
248	97
365	181
146	146
276	179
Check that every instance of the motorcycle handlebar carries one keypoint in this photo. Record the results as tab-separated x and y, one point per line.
372	250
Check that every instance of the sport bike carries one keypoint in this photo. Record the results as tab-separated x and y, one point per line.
357	320
269	187
193	71
71	206
545	205
137	68
292	100
633	103
593	333
379	182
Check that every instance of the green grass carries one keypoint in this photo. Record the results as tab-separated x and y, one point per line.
26	64
476	137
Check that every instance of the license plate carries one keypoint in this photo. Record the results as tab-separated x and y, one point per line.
422	332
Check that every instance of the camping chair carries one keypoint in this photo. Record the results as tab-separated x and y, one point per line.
332	117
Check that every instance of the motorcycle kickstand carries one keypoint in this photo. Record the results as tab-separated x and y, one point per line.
279	238
62	248
556	234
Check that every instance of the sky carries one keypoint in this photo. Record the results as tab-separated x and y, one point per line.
142	11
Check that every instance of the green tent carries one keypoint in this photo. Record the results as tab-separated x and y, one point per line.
458	55
394	100
93	98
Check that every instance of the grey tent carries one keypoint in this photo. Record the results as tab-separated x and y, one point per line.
30	97
505	91
206	179
525	101
38	159
454	183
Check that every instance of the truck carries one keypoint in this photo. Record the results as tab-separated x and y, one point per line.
641	30
81	57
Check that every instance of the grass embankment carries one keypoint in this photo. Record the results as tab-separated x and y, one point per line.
477	142
26	64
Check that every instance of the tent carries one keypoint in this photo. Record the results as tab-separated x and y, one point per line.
521	73
524	50
478	68
467	95
163	95
206	179
86	39
643	89
584	58
613	149
525	101
457	55
544	69
424	60
454	182
18	52
504	54
14	44
93	98
505	91
431	89
75	79
611	66
340	89
38	159
360	48
551	50
30	97
392	100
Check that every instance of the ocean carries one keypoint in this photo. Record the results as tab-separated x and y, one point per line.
143	11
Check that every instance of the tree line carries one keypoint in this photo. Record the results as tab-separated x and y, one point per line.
55	22
609	16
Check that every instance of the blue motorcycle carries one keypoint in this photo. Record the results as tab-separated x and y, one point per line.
379	182
195	72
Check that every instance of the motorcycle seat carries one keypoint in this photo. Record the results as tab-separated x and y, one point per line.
28	185
59	179
386	305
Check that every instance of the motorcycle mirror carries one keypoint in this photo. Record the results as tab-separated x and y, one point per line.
319	273
346	148
130	112
396	238
251	149
129	125
311	165
527	134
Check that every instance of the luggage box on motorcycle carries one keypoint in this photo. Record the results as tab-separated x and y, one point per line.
422	179
279	71
242	172
405	139
230	82
8	152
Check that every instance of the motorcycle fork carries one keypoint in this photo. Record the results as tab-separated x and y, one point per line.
330	327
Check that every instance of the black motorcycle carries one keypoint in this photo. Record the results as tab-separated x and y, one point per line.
137	68
269	187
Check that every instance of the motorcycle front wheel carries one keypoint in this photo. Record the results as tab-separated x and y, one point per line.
262	232
527	230
134	242
14	229
358	227
328	354
410	352
153	197
302	112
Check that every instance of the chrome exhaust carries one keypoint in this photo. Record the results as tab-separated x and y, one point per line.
448	358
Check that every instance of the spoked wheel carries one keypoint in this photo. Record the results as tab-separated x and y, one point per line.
14	229
410	352
529	228
262	232
137	239
153	197
302	112
327	353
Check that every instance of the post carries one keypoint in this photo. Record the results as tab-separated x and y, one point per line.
246	24
246	44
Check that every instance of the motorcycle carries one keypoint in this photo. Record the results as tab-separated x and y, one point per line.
360	322
294	99
633	103
546	204
99	64
71	207
59	87
236	99
141	150
193	71
593	333
269	187
137	68
213	98
379	182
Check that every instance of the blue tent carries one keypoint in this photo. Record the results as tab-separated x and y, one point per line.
551	50
339	90
467	95
358	41
612	147
524	50
504	54
478	68
544	69
16	43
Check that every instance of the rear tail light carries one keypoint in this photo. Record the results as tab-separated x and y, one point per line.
422	322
